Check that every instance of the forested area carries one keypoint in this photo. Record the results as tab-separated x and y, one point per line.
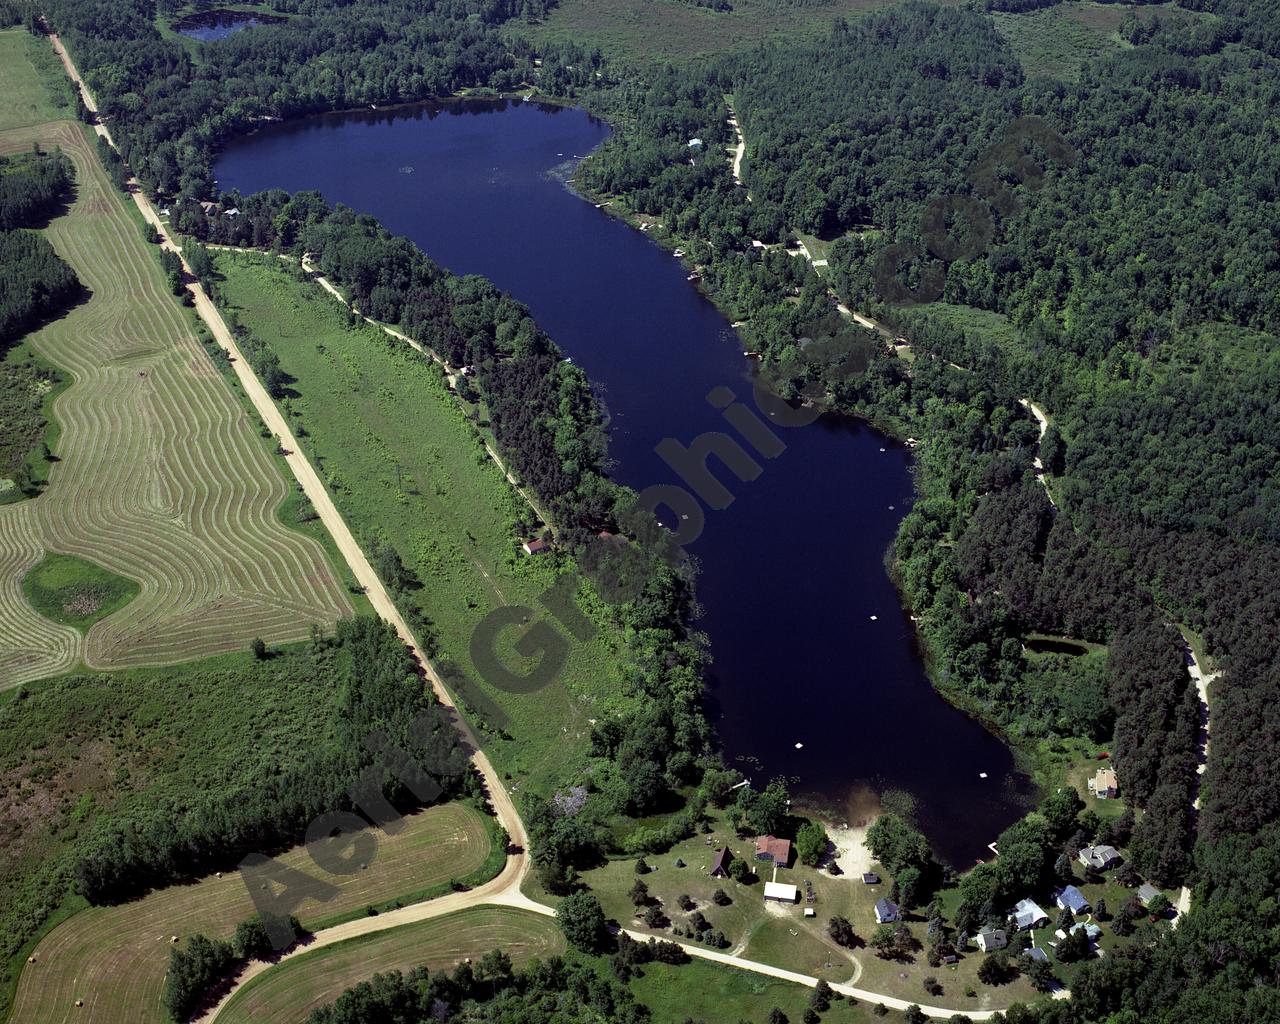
34	282
191	769
32	187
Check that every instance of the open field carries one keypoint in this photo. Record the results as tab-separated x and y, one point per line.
671	30
160	477
404	463
710	993
114	958
32	95
292	990
781	935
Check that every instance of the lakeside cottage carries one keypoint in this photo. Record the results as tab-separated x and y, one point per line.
887	911
1027	914
1104	784
990	938
1099	858
773	851
1072	899
781	892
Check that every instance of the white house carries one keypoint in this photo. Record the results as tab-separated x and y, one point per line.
990	938
1027	914
886	911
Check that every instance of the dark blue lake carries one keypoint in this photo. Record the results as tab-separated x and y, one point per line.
810	644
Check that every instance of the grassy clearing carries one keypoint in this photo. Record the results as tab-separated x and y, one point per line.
703	991
31	82
1058	41
114	958
160	477
781	935
405	463
76	592
651	30
292	990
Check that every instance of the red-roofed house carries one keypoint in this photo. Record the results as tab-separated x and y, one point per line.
775	851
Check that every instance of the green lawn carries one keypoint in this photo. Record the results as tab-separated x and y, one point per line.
76	592
404	462
781	935
29	98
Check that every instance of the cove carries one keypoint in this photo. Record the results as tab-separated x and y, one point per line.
810	645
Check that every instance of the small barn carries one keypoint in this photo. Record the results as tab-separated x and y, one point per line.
781	892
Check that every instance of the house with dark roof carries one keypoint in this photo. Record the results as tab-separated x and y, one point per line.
1036	953
720	863
870	878
773	850
887	911
1072	899
535	546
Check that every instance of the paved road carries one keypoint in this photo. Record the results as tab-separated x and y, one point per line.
505	889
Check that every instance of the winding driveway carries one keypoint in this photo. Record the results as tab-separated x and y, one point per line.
505	889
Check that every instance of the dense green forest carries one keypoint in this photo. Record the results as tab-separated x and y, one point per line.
32	187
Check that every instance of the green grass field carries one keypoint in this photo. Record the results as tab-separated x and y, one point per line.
669	30
114	958
31	82
161	477
711	994
403	460
76	592
289	992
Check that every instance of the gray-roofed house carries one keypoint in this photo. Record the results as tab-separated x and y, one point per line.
1099	858
1036	953
1027	914
886	911
1070	898
990	938
870	878
1147	892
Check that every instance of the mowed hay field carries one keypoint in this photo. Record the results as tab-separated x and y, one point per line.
30	97
115	958
292	990
162	478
